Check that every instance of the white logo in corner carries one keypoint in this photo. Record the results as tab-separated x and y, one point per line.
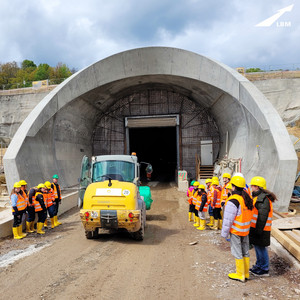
268	22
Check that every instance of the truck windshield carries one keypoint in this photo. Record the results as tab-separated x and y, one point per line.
114	169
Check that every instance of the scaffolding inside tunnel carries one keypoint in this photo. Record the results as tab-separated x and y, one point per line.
195	125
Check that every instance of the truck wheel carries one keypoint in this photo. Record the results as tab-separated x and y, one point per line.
139	235
89	234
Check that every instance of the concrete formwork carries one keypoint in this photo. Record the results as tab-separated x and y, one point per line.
58	132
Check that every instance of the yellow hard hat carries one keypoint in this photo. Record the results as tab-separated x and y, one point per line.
226	175
259	181
22	182
215	177
238	181
17	184
208	180
215	181
48	184
229	186
196	183
41	186
201	186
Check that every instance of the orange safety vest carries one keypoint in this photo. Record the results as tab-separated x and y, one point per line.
49	198
241	223
209	196
37	205
199	201
190	196
25	196
219	193
21	203
194	199
55	191
224	195
255	215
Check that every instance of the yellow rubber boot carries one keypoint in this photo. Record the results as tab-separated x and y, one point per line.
20	229
56	221
190	217
197	223
28	227
32	226
211	221
247	266
220	224
240	271
16	233
39	227
202	225
216	223
46	223
52	222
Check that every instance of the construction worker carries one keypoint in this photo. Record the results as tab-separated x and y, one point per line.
247	188
31	201
30	207
215	201
261	223
189	194
201	206
57	192
236	223
226	181
40	207
49	198
18	204
210	210
194	202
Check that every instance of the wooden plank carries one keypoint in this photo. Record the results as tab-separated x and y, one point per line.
296	231
286	242
287	223
293	236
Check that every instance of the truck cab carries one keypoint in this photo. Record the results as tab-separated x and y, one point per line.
109	196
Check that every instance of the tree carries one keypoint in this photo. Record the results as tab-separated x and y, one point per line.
253	70
28	64
43	72
60	73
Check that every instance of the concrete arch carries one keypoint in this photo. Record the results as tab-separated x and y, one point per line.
57	133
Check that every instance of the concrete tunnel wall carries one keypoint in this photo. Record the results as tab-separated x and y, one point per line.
58	132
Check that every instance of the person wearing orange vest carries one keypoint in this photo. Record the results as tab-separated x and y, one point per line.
194	202
30	207
201	206
260	230
215	201
189	194
226	181
49	198
236	224
57	192
40	207
210	210
18	204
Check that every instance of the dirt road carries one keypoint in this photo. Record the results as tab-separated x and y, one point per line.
163	266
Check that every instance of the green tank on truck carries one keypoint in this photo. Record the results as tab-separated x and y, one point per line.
109	196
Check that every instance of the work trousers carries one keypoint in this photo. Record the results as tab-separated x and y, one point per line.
196	212
217	213
30	214
18	218
51	210
42	215
202	215
262	257
210	210
191	209
239	246
56	205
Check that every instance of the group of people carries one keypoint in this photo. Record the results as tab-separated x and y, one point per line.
40	200
243	215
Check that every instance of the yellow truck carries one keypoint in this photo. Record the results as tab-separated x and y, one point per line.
109	196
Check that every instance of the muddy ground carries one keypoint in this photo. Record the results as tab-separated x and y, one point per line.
163	266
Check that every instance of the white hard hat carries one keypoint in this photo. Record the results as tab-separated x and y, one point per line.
238	174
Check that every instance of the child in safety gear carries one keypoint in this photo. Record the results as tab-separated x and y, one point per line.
260	230
210	210
18	204
236	222
30	206
40	207
194	202
57	193
201	206
49	198
216	203
226	181
189	194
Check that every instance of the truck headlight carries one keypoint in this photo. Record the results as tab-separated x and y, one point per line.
94	214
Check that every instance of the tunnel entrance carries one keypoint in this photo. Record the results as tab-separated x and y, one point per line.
157	146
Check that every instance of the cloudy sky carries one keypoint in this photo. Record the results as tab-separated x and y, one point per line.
80	33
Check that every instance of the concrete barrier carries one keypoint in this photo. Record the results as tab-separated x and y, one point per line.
6	219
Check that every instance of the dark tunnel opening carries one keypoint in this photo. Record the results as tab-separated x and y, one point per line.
157	146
